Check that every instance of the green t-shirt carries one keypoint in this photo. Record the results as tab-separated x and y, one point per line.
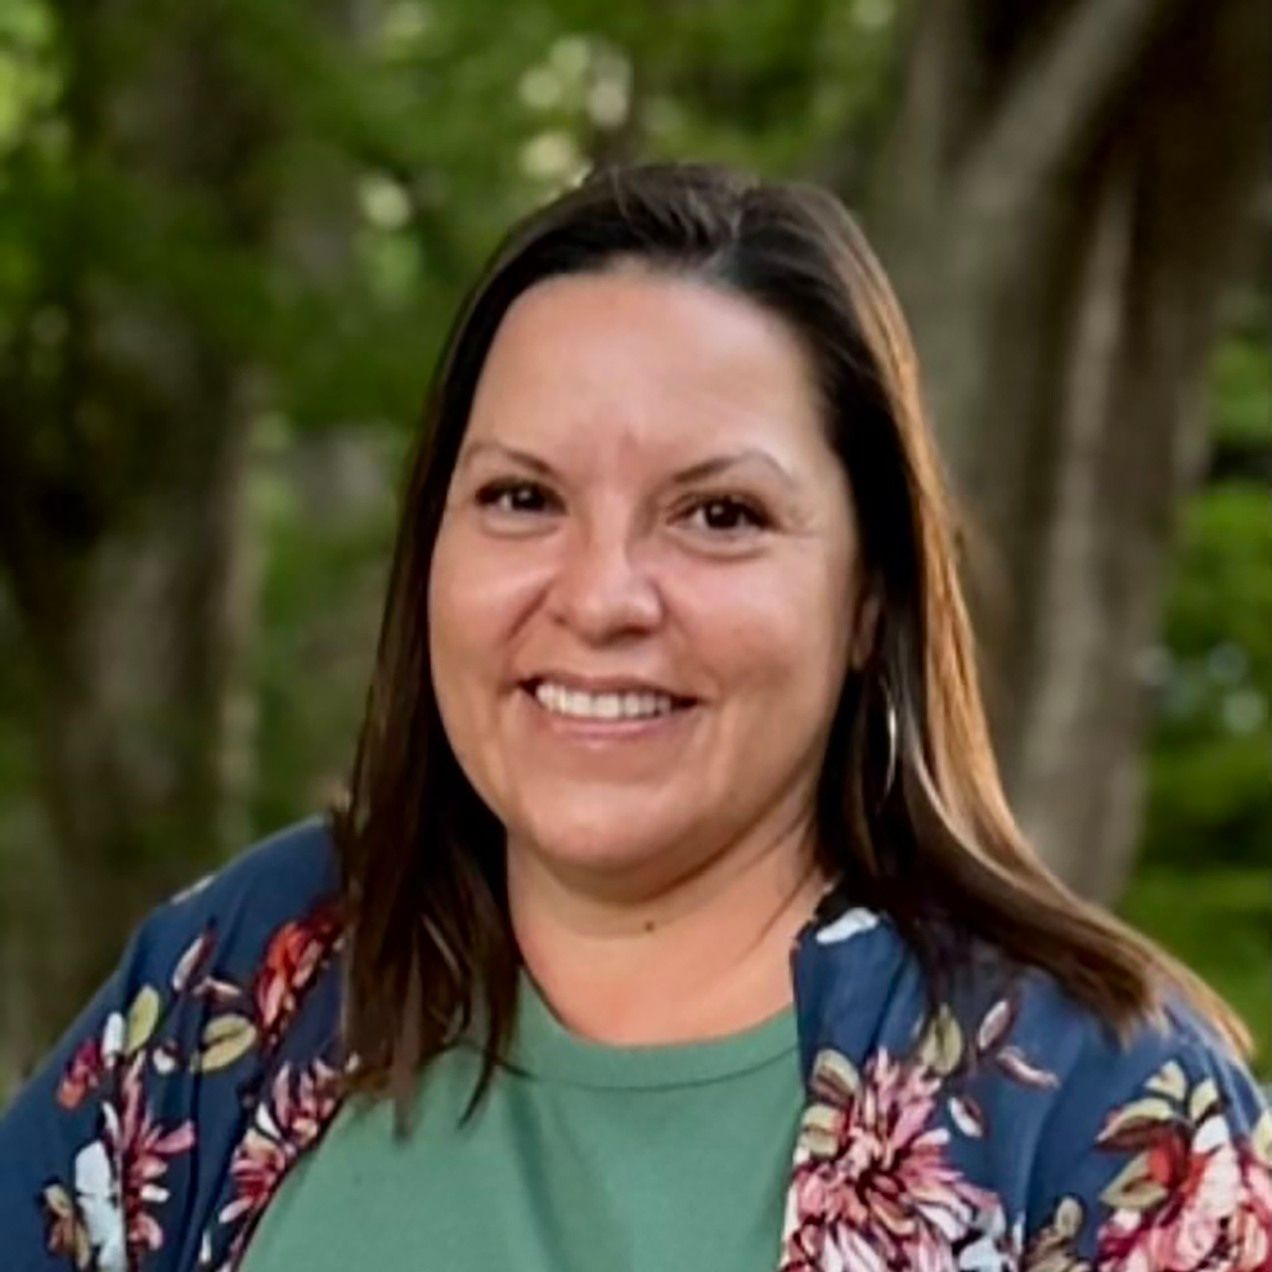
599	1159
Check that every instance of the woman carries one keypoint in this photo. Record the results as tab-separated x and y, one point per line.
675	918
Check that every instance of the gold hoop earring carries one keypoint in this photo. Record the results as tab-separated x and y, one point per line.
891	717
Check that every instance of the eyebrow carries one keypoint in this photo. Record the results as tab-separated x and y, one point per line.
695	472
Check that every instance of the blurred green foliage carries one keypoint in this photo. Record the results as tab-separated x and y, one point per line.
1216	919
409	134
1210	760
1204	887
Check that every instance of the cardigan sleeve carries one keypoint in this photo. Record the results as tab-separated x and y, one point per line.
59	1207
1159	1157
119	1151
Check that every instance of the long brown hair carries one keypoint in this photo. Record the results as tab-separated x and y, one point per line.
431	950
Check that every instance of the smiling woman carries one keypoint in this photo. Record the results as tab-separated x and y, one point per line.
675	917
637	663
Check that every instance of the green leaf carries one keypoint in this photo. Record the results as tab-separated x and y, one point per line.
1204	1100
225	1039
1150	1109
1134	1188
834	1077
1170	1081
942	1047
143	1015
819	1129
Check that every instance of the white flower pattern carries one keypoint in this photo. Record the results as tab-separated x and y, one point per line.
849	924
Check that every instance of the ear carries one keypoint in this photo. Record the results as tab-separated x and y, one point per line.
865	628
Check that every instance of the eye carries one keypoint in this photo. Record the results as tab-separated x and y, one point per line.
727	514
514	496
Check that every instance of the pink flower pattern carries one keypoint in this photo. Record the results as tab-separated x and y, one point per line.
872	1186
290	1120
106	1218
293	957
83	1075
140	1150
1192	1198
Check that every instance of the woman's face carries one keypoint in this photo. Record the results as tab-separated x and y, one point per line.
640	594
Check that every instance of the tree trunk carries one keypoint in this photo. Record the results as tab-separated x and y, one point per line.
1065	194
122	531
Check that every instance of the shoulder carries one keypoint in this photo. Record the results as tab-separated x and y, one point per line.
280	879
1086	1139
862	983
272	879
1174	1066
215	974
118	1145
1154	1148
1093	1060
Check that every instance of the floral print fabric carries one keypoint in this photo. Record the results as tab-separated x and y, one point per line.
1004	1131
1013	1132
161	1126
1192	1196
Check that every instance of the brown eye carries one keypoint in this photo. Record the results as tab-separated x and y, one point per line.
726	514
513	496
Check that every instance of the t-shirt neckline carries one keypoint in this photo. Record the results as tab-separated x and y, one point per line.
545	1048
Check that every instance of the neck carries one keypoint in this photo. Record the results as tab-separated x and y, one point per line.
702	956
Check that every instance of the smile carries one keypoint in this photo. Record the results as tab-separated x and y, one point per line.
614	706
580	705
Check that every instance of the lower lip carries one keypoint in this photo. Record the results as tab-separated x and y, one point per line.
590	729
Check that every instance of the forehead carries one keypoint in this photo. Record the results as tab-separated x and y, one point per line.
653	358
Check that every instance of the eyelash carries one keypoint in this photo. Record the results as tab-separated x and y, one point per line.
490	495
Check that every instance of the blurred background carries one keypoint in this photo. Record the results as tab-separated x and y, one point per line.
233	236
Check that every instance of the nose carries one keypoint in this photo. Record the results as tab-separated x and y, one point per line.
599	589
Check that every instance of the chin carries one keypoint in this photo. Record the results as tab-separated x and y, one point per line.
605	844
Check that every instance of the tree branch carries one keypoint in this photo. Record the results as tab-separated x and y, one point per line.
1057	97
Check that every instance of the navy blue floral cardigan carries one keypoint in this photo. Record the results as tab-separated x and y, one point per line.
1009	1130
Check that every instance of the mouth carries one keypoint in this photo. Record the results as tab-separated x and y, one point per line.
612	703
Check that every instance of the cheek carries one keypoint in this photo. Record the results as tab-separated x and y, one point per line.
464	637
780	629
448	603
474	605
478	597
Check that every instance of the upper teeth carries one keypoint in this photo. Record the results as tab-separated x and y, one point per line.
601	706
